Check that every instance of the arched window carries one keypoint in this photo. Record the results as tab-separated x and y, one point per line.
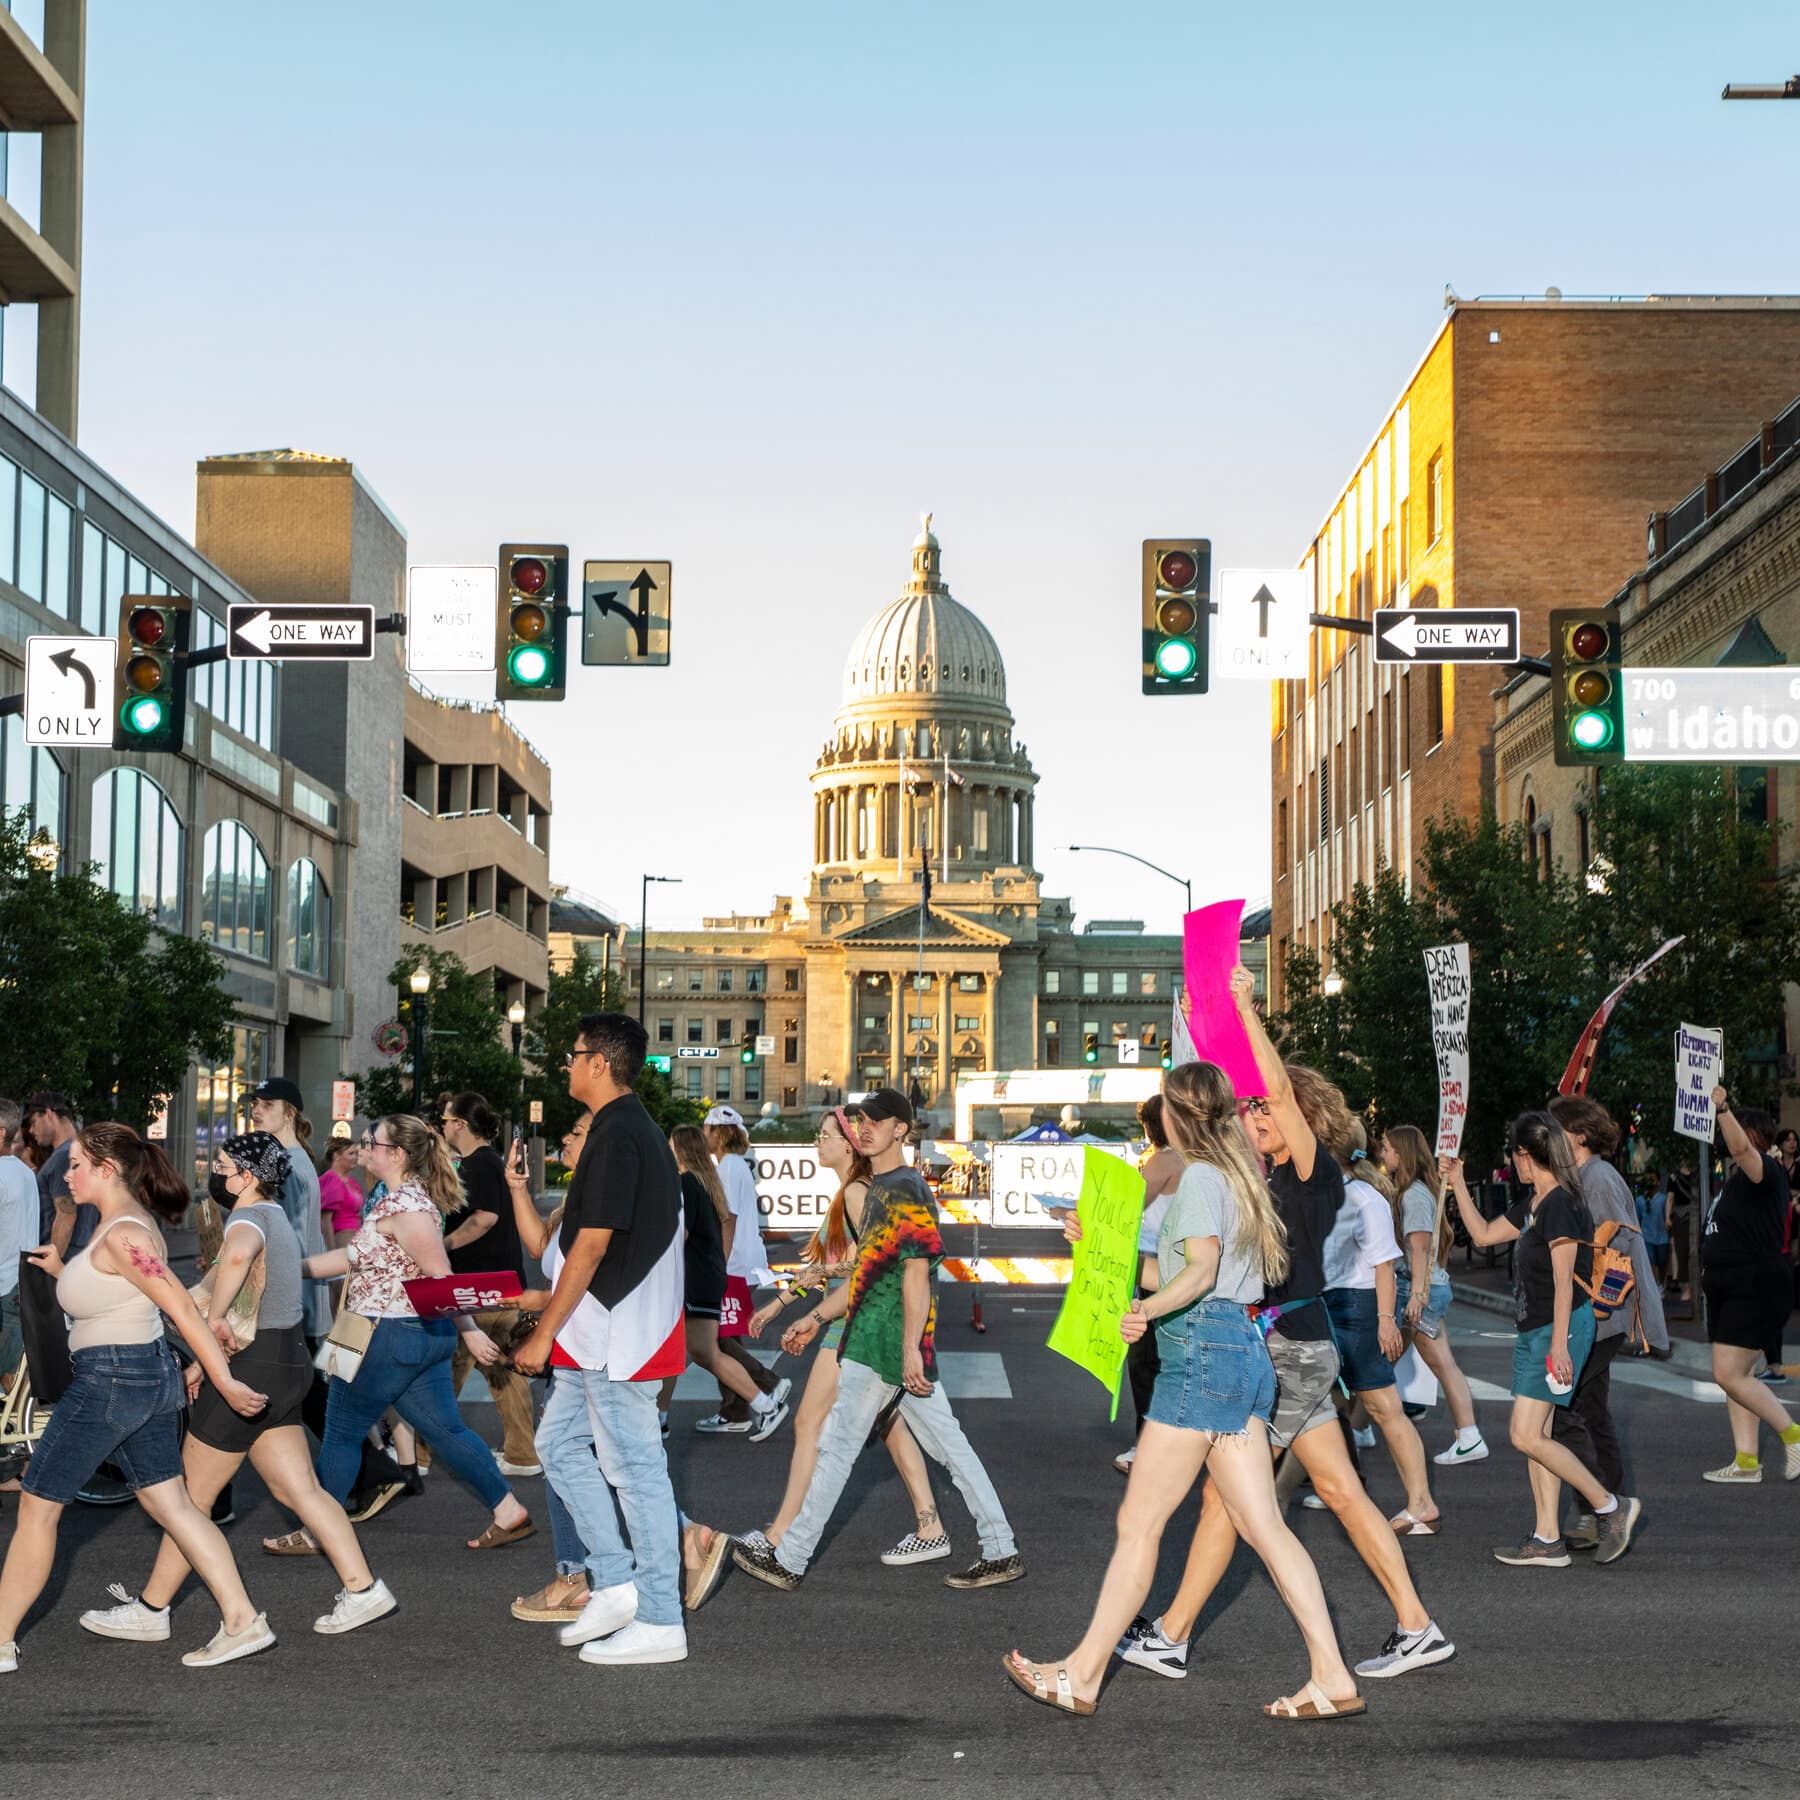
308	920
136	842
234	891
31	778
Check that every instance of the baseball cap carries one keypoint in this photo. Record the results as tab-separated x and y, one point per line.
886	1103
278	1087
725	1115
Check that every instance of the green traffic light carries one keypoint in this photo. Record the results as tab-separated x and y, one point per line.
1590	731
145	715
1176	659
529	665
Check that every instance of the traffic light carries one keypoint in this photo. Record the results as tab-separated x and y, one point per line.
661	1064
1177	586
152	662
1168	1054
1090	1047
1587	685
747	1047
531	624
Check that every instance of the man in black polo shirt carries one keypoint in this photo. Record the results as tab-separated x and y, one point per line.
613	1329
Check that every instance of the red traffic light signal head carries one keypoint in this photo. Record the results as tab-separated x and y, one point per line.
1177	569
528	574
147	625
1588	641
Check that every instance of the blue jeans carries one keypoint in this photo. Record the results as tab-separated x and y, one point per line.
565	1540
407	1367
861	1396
600	1440
12	1342
123	1407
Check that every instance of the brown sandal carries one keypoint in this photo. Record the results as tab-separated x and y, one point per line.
1034	1687
555	1603
290	1543
497	1537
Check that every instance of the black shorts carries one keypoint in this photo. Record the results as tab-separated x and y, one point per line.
1746	1307
277	1363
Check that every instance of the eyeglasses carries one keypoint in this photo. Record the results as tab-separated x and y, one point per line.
1253	1106
377	1144
570	1056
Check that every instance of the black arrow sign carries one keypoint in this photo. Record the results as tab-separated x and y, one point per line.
607	600
71	664
1262	601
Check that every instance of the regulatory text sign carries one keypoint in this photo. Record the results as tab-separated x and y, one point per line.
1446	634
69	690
1263	625
450	618
323	633
1712	715
625	612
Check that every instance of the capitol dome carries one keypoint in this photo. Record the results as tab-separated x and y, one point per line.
925	642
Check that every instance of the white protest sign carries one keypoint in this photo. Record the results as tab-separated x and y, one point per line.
1699	1067
1447	975
1019	1173
794	1190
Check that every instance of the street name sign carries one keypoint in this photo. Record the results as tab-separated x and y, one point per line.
1446	634
1263	625
625	609
70	685
1711	715
450	618
323	633
700	1052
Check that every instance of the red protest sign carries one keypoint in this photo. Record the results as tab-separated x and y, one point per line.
444	1296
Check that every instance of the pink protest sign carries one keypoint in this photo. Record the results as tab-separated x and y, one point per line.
1210	953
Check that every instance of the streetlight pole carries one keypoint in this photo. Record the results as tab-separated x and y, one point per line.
1762	90
644	932
515	1015
1186	886
419	983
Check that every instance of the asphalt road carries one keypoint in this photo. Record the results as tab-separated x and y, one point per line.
1670	1673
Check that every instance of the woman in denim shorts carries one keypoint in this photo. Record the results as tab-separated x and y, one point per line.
1220	1241
124	1405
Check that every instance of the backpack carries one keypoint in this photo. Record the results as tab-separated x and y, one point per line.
1611	1281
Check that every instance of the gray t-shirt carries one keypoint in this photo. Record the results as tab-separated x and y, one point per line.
1418	1212
300	1201
1609	1197
1203	1206
279	1307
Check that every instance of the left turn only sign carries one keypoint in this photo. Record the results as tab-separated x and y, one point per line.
70	686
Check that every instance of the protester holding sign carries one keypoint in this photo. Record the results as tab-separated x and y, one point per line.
1161	1169
1220	1244
1745	1280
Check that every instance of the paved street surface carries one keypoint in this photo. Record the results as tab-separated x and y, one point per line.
1670	1673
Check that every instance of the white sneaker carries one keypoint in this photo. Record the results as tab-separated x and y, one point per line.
1732	1473
9	1659
1457	1453
1404	1652
513	1468
351	1610
916	1549
716	1424
1123	1461
131	1618
607	1610
766	1420
783	1388
1145	1645
229	1647
1791	1465
639	1642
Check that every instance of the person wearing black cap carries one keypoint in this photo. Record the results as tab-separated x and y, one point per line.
259	1250
888	1358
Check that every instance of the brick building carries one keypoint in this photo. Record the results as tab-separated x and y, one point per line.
1516	469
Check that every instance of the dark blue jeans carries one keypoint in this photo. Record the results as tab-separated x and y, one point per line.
407	1367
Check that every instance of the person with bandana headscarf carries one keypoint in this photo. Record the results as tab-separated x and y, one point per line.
260	1248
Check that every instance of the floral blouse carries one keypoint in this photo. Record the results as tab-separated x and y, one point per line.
378	1264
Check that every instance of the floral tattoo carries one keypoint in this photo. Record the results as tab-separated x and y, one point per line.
145	1262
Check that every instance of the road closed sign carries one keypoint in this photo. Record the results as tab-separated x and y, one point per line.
1024	1174
794	1190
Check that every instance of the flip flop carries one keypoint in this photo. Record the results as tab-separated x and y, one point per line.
1034	1687
497	1537
699	1583
1407	1526
1316	1708
290	1543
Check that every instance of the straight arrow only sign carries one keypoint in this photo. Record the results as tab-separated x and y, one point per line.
324	633
1446	635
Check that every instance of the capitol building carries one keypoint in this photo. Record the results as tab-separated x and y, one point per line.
864	981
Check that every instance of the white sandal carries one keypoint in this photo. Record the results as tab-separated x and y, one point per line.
1034	1687
1314	1708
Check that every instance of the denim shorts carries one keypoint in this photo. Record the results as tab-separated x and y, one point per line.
123	1407
1214	1373
1531	1379
1437	1301
1355	1326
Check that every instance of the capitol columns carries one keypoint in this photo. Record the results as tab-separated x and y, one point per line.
897	1029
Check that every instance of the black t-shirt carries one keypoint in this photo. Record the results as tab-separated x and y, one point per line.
1745	1223
627	1183
705	1249
485	1190
1308	1209
1560	1214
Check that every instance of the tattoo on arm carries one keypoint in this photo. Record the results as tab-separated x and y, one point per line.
145	1261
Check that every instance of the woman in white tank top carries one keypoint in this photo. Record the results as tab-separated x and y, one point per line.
124	1405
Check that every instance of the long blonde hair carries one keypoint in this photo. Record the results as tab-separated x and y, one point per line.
693	1158
1412	1151
1201	1117
428	1160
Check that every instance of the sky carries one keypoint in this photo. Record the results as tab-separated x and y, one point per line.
750	288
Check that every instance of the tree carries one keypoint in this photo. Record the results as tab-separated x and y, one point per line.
94	1000
468	1041
1380	950
584	987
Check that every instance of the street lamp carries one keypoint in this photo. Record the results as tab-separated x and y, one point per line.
1334	985
515	1016
1186	886
1762	90
419	981
644	931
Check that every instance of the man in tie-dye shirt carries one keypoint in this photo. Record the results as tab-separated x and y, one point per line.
887	1359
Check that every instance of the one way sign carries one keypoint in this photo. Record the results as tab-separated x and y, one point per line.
1446	635
323	633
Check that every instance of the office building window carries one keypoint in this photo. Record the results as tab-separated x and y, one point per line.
1121	1030
1053	981
1435	682
918	1022
663	980
1281	838
1052	1044
1434	499
722	1082
755	980
724	1029
136	842
695	980
1120	981
9	516
790	1050
968	984
1405	539
234	893
1090	1026
968	1022
222	1095
665	1031
790	981
1150	1034
696	1082
694	1029
1147	982
753	1086
1090	981
30	778
30	578
308	920
790	1098
724	981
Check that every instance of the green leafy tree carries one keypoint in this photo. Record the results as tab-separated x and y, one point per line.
1310	1028
1380	948
94	1000
468	1041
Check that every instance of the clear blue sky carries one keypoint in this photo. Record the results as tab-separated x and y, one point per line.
750	287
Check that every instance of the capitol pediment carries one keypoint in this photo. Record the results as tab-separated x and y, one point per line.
901	929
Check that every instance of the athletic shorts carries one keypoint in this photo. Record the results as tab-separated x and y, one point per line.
1747	1305
1531	1349
1306	1372
276	1363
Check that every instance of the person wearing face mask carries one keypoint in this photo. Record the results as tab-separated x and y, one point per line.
259	1243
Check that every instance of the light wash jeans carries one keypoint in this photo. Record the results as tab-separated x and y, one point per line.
565	1540
861	1396
598	1440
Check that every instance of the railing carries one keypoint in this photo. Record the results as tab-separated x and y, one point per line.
1734	476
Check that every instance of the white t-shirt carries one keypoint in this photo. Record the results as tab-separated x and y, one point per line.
748	1257
1361	1240
18	1218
